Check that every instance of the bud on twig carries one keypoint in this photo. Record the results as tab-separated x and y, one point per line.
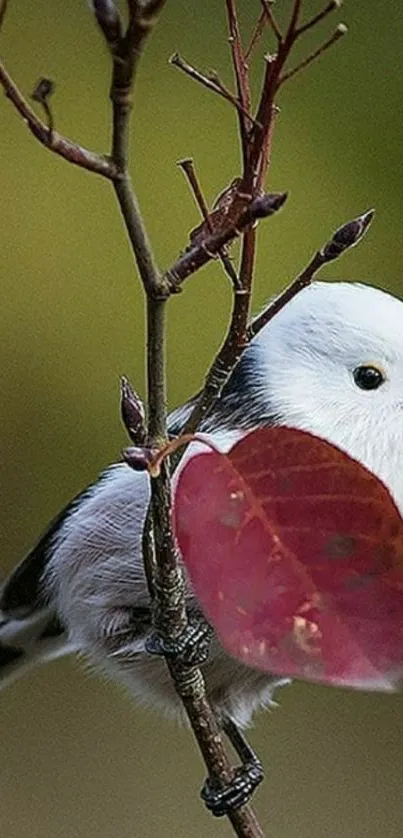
108	19
41	94
132	412
265	205
139	459
347	236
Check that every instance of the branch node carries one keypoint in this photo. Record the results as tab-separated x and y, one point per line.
41	94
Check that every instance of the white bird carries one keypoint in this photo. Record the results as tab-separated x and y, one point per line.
330	362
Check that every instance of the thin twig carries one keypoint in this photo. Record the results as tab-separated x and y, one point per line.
211	82
72	152
334	4
340	31
3	9
241	73
345	237
233	346
268	12
256	35
292	28
201	253
188	169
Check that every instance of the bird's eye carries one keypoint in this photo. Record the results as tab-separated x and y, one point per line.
368	377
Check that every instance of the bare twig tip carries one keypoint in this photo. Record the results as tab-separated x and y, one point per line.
185	163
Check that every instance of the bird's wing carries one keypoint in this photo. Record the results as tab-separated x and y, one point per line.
30	633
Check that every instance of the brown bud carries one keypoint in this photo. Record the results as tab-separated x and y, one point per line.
42	90
132	412
109	20
268	204
347	236
138	458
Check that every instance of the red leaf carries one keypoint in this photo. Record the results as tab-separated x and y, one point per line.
295	552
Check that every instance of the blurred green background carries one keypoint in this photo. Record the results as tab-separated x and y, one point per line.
77	758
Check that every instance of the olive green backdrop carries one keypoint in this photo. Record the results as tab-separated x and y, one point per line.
77	758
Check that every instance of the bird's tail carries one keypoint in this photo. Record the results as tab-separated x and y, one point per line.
30	634
27	642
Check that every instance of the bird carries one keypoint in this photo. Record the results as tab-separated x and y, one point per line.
329	362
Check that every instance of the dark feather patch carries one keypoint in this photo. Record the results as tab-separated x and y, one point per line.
22	592
8	654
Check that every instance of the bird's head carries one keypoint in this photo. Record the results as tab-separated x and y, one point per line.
331	362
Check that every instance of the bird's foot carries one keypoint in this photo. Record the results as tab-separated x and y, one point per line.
191	648
220	800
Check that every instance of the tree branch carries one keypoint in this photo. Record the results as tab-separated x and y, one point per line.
345	237
267	11
208	248
52	140
340	31
162	566
211	82
235	340
241	73
188	169
334	4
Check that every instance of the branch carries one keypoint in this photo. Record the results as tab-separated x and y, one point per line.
211	82
3	9
52	140
203	251
267	11
109	20
163	570
334	4
126	56
340	31
345	237
233	346
188	168
256	35
241	73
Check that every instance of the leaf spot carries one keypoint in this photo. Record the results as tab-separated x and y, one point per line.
340	547
306	635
